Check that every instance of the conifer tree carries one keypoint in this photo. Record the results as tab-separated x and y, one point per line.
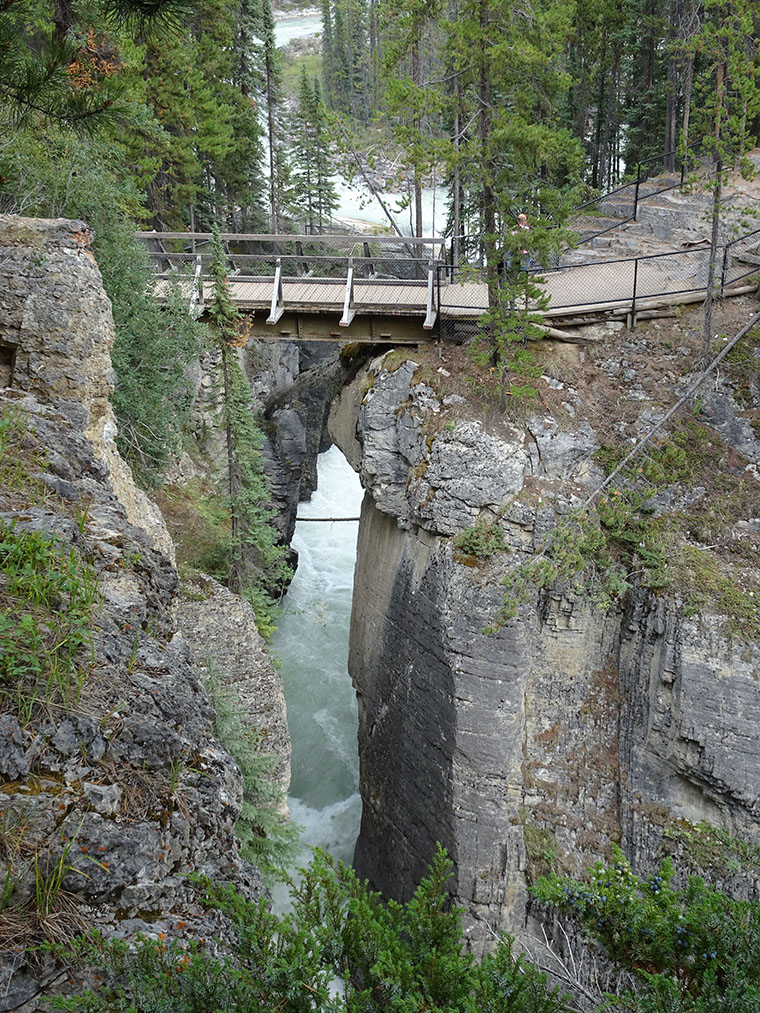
512	154
729	101
313	192
258	567
63	64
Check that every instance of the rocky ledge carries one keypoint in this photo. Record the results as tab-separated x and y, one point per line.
112	778
589	716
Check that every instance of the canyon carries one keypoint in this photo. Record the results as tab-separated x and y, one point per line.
524	744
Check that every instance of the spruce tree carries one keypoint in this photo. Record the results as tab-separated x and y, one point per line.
312	195
512	154
258	567
729	101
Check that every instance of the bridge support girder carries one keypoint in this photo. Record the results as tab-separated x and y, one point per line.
363	328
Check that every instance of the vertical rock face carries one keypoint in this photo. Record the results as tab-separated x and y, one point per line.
294	383
541	743
110	771
56	333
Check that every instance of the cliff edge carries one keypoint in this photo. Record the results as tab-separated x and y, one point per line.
113	787
526	715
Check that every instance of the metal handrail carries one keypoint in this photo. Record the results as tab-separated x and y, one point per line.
445	274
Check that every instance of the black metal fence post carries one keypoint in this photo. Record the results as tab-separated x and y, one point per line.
723	270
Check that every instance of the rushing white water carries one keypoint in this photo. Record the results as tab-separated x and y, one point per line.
312	642
288	28
356	205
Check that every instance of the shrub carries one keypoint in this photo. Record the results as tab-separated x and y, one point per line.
46	599
694	949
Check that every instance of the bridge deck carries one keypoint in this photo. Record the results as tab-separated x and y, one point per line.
365	302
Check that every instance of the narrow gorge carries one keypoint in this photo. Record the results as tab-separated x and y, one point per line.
615	700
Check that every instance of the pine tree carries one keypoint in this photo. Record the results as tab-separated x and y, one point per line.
312	194
729	100
512	154
63	65
258	567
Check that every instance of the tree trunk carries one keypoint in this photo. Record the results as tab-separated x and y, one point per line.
596	174
671	91
235	578
416	78
688	78
273	202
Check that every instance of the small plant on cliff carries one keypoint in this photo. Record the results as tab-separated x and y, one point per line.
693	949
481	541
47	594
266	838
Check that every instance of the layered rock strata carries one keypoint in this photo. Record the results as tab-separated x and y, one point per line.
570	727
123	784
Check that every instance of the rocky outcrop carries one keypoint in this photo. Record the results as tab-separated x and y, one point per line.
56	333
118	782
570	727
295	384
292	385
220	628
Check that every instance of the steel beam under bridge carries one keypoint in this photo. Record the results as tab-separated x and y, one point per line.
365	328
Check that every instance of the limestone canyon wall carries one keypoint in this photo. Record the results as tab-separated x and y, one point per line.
570	727
126	779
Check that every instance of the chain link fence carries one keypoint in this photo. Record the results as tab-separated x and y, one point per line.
615	207
625	284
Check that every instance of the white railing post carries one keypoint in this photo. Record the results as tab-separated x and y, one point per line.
432	312
196	292
278	303
349	312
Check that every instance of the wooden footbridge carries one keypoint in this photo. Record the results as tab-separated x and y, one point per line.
344	288
387	289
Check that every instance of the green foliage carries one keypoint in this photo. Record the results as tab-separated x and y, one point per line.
63	63
57	174
694	949
266	839
540	850
312	198
714	849
481	541
258	561
579	553
46	600
347	61
409	957
703	582
18	462
151	976
395	958
152	349
602	550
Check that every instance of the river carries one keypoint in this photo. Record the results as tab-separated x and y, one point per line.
312	639
357	206
312	643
